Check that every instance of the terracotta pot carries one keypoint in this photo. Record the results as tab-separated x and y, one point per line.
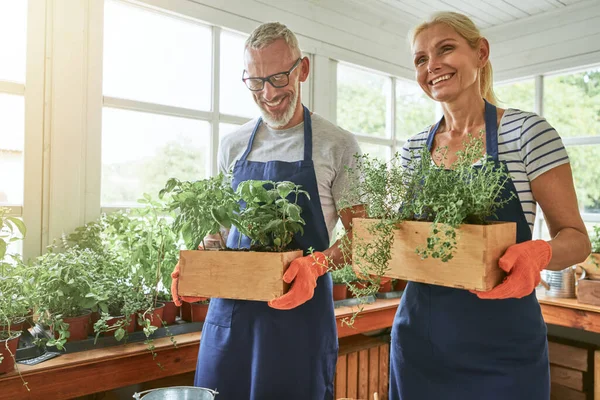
15	326
340	292
199	312
130	328
385	287
155	317
78	327
170	312
94	317
186	311
8	364
400	284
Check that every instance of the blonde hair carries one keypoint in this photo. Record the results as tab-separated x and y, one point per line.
469	31
267	33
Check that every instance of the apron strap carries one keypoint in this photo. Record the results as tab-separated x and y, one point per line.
307	137
491	131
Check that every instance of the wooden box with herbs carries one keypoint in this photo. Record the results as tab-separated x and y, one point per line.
270	217
429	223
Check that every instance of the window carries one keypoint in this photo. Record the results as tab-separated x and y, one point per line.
12	129
362	99
235	98
141	151
13	43
156	58
519	95
13	38
414	110
572	106
157	102
375	150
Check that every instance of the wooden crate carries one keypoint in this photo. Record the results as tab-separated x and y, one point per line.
588	292
572	357
475	261
592	266
570	372
362	368
244	275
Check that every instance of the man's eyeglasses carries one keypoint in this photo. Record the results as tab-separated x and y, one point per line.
278	80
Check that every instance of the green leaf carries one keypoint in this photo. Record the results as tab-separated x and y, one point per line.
119	334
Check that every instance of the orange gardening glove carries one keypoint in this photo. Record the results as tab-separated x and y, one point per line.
304	271
523	263
174	290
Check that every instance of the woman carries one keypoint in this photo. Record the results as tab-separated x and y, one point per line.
455	344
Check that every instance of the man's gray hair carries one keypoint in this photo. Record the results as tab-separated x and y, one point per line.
267	33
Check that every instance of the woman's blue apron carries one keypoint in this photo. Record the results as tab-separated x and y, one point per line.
249	350
449	344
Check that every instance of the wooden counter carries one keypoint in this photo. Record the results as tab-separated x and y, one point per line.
93	371
569	313
572	314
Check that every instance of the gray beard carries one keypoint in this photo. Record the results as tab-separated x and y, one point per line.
285	118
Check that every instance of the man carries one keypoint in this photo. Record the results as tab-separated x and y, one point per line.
286	349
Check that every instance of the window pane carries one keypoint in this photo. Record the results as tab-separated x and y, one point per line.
414	110
156	58
586	175
235	98
376	150
141	151
362	99
12	129
519	95
226	129
13	40
572	103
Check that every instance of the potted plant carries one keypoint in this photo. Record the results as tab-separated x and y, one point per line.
432	224
154	253
14	306
270	218
340	279
64	292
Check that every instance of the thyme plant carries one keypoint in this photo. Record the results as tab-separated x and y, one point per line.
467	191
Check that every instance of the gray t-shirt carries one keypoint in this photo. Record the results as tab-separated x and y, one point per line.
333	150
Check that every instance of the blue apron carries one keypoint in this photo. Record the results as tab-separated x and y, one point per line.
449	344
249	350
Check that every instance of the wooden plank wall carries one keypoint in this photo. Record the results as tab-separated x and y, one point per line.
363	368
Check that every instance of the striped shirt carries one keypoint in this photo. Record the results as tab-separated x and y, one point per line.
527	144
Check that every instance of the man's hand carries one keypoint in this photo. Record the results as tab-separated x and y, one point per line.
304	272
175	293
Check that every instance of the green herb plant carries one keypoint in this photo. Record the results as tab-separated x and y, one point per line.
420	190
203	208
269	217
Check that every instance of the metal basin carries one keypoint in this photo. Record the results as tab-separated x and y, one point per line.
177	393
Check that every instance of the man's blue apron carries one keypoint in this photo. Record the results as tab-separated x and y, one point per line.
447	344
251	351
